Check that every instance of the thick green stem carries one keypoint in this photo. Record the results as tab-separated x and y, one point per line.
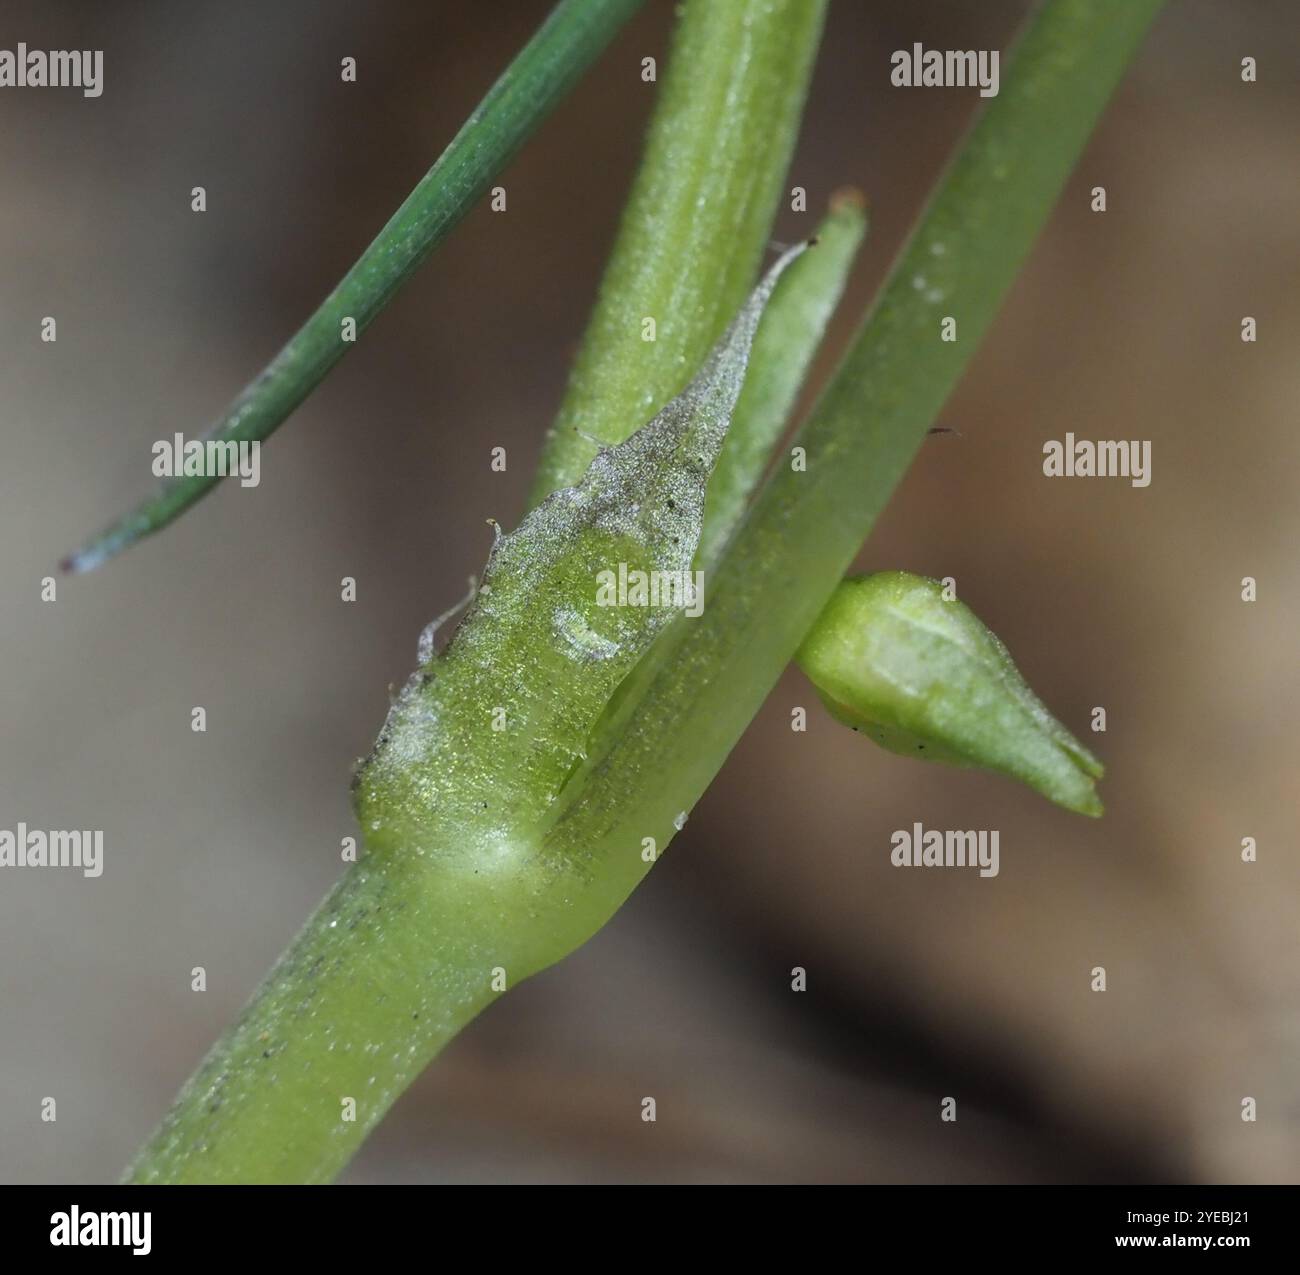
416	940
696	222
546	69
402	953
453	900
383	975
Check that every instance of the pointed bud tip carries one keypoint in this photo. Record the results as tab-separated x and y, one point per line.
894	657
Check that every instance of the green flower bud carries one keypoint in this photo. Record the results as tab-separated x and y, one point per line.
923	677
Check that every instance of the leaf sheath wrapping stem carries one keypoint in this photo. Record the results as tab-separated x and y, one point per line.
454	891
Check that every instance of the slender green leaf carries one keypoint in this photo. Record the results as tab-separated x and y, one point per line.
546	69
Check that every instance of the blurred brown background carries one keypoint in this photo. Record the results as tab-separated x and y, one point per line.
921	985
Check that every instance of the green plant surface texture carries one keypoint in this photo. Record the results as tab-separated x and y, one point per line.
403	952
789	333
452	895
570	40
696	222
805	528
917	672
788	336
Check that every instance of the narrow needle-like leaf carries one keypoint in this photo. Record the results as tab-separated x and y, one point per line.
545	70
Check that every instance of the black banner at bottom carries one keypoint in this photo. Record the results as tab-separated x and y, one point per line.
92	1223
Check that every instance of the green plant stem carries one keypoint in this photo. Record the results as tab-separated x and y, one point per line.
395	961
696	221
788	336
401	953
570	40
806	528
385	973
